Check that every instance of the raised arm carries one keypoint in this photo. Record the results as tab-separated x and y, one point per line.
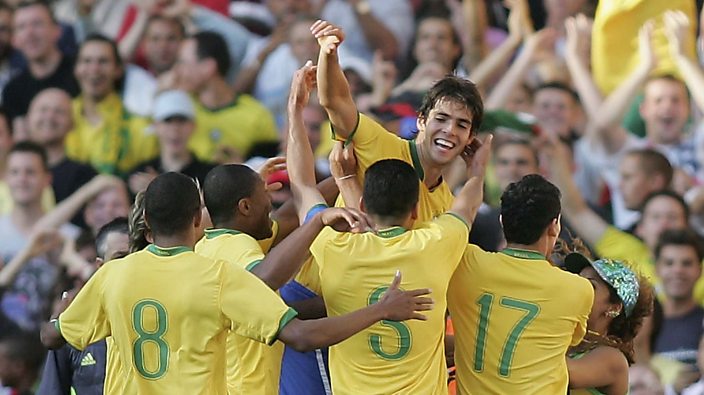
535	44
606	127
678	29
343	166
299	154
68	208
395	305
519	25
284	260
588	225
469	199
577	53
333	90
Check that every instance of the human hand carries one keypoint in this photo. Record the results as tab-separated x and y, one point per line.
401	305
677	30
302	84
476	156
343	162
519	21
648	57
329	36
344	219
579	33
271	166
43	241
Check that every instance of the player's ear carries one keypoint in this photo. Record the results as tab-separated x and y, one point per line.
554	227
99	262
243	206
420	123
361	204
414	212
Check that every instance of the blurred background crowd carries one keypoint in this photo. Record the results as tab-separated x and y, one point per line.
604	98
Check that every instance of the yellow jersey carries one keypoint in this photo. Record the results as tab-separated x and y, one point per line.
239	125
617	244
355	270
373	143
514	316
117	144
252	367
169	311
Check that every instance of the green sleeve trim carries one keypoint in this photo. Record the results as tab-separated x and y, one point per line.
461	219
351	136
57	325
252	265
289	315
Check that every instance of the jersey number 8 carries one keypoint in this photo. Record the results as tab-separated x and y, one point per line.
149	338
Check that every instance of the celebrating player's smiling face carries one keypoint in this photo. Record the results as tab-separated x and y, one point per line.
448	130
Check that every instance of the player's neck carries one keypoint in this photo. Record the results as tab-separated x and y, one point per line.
538	247
176	240
216	94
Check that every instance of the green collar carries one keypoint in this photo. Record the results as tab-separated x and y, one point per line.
523	254
171	251
213	233
391	232
416	159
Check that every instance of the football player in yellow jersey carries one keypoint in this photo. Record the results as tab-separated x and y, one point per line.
169	309
389	357
240	207
450	114
514	313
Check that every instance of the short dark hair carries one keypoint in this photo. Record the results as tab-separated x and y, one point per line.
680	237
224	187
667	193
97	37
117	225
171	202
653	162
212	45
44	4
390	188
31	148
528	206
559	86
457	89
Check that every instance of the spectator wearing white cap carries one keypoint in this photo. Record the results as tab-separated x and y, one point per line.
174	123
